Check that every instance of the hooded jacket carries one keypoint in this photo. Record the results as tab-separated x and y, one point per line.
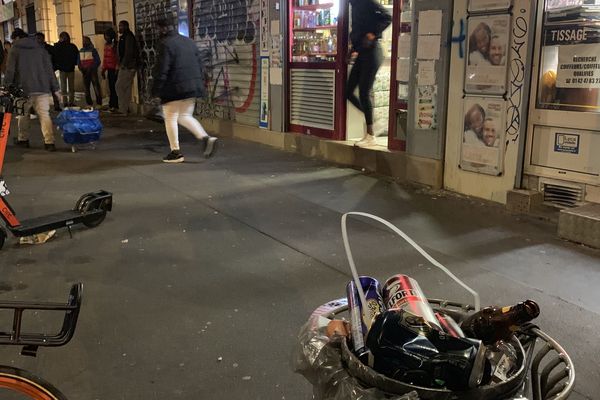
29	67
179	73
88	58
66	56
368	16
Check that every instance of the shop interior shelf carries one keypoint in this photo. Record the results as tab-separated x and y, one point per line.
313	7
316	28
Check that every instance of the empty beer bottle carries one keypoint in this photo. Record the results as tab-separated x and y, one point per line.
498	323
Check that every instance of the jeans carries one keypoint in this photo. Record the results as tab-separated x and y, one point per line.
363	74
123	87
41	105
181	112
112	80
67	87
90	76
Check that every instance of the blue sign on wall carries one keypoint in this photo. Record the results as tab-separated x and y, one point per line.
566	143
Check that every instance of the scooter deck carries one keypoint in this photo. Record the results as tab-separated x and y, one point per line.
50	222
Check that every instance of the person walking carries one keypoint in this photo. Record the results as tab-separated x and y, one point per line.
109	65
30	68
66	57
129	60
178	81
369	20
41	39
89	62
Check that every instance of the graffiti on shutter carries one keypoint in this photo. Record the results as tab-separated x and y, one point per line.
226	32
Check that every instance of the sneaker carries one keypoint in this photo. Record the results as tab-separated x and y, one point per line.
174	157
50	147
211	147
22	143
367	141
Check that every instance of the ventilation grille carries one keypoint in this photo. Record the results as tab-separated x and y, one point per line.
562	195
312	98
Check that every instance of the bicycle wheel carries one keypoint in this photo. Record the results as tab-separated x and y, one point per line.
23	383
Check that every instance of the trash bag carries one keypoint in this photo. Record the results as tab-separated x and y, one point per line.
79	126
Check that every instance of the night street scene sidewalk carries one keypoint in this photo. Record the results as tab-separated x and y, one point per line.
197	283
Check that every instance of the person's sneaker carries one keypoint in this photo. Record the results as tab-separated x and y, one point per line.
22	143
50	147
367	141
211	147
174	157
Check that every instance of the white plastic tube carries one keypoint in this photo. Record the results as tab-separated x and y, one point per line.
411	242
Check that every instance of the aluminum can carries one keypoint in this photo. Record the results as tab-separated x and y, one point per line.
361	320
401	292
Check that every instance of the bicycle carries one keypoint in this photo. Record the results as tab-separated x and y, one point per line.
20	381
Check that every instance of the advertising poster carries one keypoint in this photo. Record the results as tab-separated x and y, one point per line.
487	44
483	134
489	5
264	92
426	113
561	4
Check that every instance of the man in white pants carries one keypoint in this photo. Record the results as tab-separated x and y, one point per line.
178	81
30	68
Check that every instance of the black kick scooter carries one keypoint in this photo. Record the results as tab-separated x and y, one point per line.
90	209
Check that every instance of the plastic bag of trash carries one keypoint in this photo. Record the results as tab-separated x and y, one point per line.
79	126
319	359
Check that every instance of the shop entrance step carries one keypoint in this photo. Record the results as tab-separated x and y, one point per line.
581	225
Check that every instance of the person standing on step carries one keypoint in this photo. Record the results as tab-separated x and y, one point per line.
129	62
66	57
30	68
178	81
110	65
369	20
89	62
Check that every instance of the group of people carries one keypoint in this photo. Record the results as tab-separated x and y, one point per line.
178	79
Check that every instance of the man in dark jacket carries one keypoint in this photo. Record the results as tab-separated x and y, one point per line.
66	55
41	39
178	81
30	68
129	62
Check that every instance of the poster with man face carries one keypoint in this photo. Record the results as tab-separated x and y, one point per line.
483	134
487	52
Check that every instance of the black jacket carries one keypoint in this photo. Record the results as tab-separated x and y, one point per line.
129	53
179	71
66	56
368	16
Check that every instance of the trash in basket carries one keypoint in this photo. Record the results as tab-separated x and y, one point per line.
79	126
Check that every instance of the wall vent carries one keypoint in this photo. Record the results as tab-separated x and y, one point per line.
312	98
562	194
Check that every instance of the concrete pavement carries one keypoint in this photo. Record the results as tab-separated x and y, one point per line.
227	257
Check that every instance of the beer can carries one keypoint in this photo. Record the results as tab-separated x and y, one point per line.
401	292
361	320
449	325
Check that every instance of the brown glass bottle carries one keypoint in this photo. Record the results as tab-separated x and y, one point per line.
491	324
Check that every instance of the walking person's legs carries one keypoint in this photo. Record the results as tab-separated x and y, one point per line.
369	66
352	84
171	113
187	120
41	104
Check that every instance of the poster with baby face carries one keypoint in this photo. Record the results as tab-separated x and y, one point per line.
487	45
483	134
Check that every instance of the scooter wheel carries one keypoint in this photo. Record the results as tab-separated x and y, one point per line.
2	237
94	220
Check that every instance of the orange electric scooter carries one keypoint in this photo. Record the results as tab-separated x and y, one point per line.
90	210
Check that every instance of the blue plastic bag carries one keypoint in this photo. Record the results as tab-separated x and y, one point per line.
79	126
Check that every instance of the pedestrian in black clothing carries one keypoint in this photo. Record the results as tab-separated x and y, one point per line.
369	20
110	65
129	62
66	57
41	39
178	81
